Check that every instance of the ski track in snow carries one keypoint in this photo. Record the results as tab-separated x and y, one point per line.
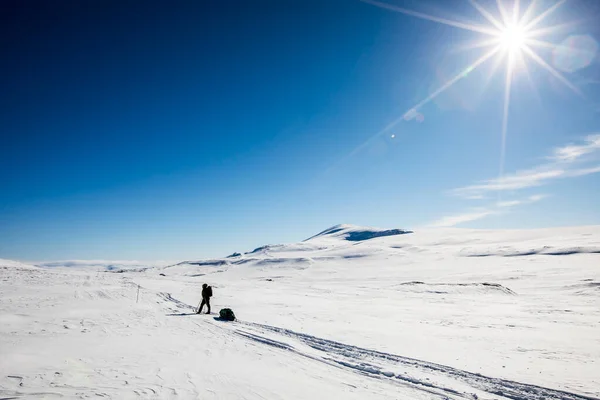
373	363
378	365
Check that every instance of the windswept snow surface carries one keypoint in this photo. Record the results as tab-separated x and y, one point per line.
439	314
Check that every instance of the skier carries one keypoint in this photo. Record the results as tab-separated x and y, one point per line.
206	295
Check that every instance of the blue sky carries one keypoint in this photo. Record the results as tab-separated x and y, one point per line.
176	130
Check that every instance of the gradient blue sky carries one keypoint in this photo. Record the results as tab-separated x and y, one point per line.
187	129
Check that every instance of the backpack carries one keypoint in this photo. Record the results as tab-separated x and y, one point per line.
227	314
209	291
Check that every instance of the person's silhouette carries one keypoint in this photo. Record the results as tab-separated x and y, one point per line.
206	295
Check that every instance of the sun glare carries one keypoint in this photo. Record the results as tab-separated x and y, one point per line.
513	38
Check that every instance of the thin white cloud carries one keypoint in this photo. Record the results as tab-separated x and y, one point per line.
563	165
475	197
584	171
570	153
514	203
454	220
506	204
566	162
474	215
519	180
537	197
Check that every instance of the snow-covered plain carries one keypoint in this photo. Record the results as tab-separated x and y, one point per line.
351	313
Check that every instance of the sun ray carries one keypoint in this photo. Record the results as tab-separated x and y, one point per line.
547	45
541	43
527	14
432	96
486	14
456	78
475	45
553	28
543	15
495	67
516	10
507	88
503	13
549	68
530	79
456	24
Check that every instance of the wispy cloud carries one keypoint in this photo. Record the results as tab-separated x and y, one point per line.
565	163
572	152
527	200
475	197
537	197
584	171
506	204
569	161
453	220
519	180
495	209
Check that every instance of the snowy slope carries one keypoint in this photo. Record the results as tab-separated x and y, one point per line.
349	313
5	264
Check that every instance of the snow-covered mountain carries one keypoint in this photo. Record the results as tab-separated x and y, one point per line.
357	233
351	312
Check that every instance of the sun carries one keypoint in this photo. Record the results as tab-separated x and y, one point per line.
513	38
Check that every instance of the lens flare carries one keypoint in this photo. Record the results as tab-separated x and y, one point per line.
575	53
